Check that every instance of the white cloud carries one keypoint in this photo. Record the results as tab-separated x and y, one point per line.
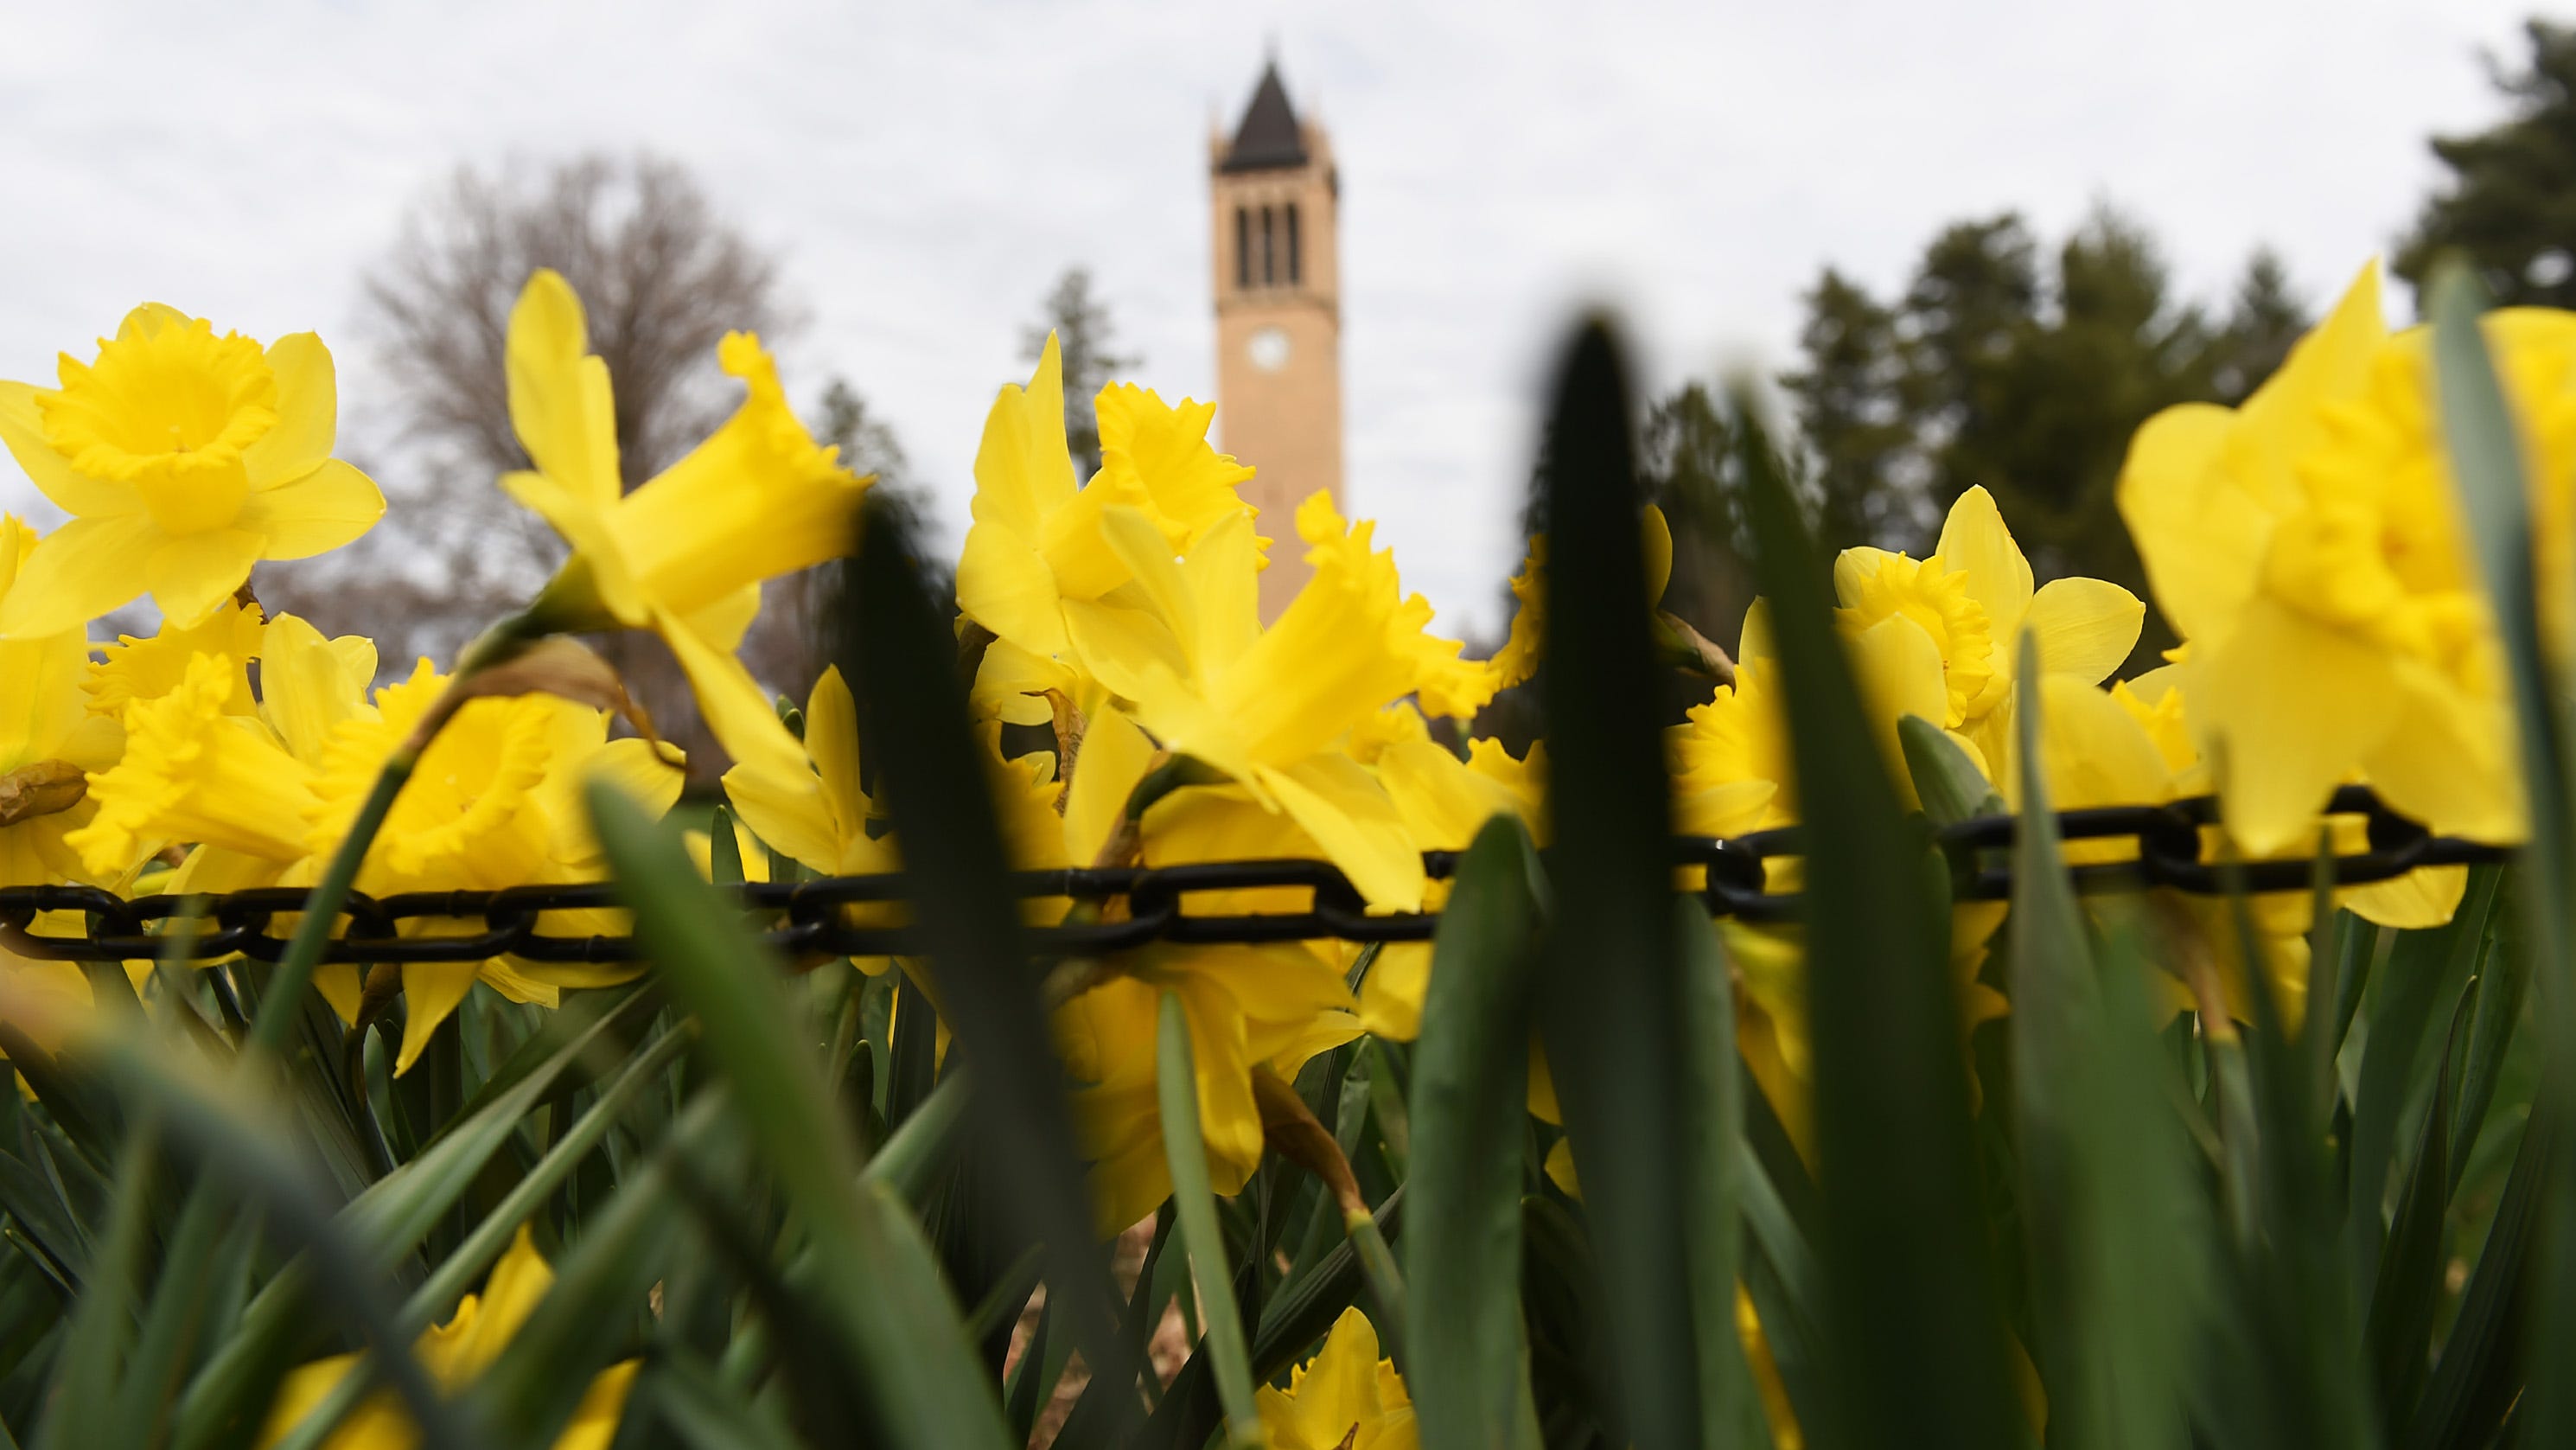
927	169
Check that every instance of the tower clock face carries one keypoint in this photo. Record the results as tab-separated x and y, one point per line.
1268	349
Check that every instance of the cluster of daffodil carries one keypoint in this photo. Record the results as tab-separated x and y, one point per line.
2306	547
2308	550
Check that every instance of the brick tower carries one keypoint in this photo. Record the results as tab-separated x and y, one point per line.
1274	204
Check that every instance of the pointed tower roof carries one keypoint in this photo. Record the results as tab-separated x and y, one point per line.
1269	136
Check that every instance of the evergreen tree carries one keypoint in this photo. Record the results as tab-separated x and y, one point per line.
2510	206
2025	373
1850	409
2264	318
1084	337
1972	306
2060	404
1688	461
810	611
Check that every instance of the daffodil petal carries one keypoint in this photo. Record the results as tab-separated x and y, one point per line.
832	743
1975	541
1229	1119
728	619
306	686
2295	708
595	1420
1293	998
303	1390
1852	567
737	711
1010	683
1658	543
636	767
1730	808
560	402
1165	446
2085	627
308	409
1348	814
787	812
1023	466
1443	803
75	574
22	431
1753	643
431	993
191	574
516	1285
1130	650
2417	899
314	512
2094	753
1898	668
1223	570
1391	995
2450	760
1115	755
2200	536
1004	584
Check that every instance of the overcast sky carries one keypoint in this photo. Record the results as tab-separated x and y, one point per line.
926	169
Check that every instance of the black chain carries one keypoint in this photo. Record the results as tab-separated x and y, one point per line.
1139	905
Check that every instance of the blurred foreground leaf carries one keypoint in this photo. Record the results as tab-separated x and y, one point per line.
1916	1336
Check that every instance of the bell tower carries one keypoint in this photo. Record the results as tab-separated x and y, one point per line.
1274	206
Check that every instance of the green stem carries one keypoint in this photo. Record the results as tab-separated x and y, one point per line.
1185	1152
490	647
284	998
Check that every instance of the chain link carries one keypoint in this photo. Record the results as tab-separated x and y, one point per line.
1135	906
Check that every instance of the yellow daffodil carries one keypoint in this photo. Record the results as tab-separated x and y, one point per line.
1348	1397
455	1354
2309	549
2101	748
198	771
1269	708
146	669
2127	746
211	755
494	802
1035	557
264	798
816	812
821	815
1974	598
1733	773
48	739
685	553
1250	1009
184	459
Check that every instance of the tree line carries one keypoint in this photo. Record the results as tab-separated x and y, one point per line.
2022	365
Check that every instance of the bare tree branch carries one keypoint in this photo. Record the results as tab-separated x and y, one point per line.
663	279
